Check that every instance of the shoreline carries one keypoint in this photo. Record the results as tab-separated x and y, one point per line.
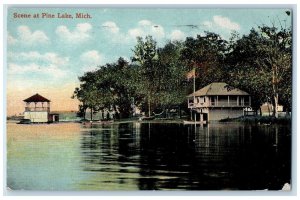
264	120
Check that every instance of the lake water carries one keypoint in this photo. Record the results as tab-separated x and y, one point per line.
148	156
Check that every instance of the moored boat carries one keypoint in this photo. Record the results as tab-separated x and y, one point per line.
103	122
24	121
146	118
193	122
97	122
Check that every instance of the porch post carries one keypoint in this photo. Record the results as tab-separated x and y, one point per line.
249	100
228	100
207	115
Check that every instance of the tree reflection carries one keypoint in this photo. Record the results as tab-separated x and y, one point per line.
154	156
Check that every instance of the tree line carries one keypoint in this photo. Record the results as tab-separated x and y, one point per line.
155	79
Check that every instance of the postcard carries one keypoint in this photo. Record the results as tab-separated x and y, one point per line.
149	99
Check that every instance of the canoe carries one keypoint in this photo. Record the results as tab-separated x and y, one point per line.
193	122
88	123
103	122
146	118
24	121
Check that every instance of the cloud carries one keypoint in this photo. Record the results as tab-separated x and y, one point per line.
91	59
35	56
111	26
144	23
224	23
79	34
143	28
56	59
146	27
11	40
92	56
208	24
49	69
177	35
27	37
49	63
114	33
136	32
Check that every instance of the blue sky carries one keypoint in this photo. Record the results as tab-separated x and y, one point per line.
46	55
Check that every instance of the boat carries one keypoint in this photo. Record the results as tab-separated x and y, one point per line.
103	122
24	121
146	118
97	122
193	122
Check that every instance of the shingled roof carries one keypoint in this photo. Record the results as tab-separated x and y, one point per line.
36	98
218	88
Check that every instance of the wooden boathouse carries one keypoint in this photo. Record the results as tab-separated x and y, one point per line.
218	101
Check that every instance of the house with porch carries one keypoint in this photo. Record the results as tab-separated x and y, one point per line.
218	101
37	110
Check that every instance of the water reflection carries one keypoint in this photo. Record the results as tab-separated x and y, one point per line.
149	156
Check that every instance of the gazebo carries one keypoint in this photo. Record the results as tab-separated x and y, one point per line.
37	109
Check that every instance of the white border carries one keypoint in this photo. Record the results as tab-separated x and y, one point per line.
156	3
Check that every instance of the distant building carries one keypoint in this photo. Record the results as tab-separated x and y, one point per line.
37	110
267	109
218	101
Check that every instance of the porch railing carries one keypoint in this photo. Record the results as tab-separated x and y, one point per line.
219	104
30	109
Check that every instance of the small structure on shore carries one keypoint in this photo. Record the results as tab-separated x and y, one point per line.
267	109
218	101
37	110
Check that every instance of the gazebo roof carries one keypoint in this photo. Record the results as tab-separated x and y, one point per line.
36	98
218	88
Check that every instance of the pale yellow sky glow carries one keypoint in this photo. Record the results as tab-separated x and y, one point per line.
60	97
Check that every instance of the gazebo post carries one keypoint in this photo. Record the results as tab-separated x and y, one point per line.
48	106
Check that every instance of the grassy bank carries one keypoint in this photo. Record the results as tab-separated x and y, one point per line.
260	120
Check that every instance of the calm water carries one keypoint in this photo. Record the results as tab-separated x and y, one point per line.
144	156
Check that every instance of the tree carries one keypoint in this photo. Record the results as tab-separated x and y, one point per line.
123	86
277	61
261	64
145	55
206	54
78	93
172	89
111	87
88	95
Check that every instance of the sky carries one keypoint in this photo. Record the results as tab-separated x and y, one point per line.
47	55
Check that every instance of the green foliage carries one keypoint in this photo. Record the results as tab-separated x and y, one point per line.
112	87
259	63
163	74
206	54
145	55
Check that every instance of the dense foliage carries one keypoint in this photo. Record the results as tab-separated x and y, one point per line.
259	63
